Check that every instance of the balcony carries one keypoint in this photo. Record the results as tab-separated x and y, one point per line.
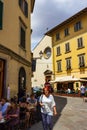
82	65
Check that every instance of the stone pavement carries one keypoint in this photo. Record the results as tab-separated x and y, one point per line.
72	114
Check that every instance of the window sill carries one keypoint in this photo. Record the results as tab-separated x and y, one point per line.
22	48
58	54
80	48
67	52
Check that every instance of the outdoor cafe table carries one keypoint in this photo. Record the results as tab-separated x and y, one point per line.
4	124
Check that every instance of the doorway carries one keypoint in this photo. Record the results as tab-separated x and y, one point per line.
22	83
2	69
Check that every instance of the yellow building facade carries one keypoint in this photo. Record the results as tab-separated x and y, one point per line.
15	46
69	43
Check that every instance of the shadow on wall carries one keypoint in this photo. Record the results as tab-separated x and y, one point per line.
60	104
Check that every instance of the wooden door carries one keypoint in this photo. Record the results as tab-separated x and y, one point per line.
1	77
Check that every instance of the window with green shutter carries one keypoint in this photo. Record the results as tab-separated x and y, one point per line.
1	14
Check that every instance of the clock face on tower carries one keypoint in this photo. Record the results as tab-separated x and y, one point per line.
47	53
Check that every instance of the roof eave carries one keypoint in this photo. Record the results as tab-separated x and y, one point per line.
49	33
32	5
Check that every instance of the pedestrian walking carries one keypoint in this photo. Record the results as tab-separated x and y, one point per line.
48	108
82	90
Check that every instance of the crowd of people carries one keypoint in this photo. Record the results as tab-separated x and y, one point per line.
9	112
29	109
16	113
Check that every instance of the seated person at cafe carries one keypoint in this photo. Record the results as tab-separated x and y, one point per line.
22	108
12	114
33	100
4	106
68	90
27	98
24	114
33	107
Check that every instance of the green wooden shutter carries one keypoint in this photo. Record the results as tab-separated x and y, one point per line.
1	14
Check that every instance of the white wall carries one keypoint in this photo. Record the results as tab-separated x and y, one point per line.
41	64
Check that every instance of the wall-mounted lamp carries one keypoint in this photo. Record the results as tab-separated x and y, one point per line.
40	54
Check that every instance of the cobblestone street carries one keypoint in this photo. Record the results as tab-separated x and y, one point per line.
72	114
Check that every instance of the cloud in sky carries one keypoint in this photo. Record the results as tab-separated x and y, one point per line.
48	14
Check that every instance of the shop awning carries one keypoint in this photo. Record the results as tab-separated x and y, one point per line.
67	79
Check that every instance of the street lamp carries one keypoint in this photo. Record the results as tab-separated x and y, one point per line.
40	54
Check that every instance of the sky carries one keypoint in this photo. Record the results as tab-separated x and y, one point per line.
49	13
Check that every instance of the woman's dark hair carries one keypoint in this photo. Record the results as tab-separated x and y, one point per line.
23	99
32	94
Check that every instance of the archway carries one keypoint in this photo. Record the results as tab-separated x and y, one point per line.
22	83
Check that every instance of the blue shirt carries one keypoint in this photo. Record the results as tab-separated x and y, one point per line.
4	108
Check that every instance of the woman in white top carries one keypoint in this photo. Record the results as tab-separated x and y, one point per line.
48	108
